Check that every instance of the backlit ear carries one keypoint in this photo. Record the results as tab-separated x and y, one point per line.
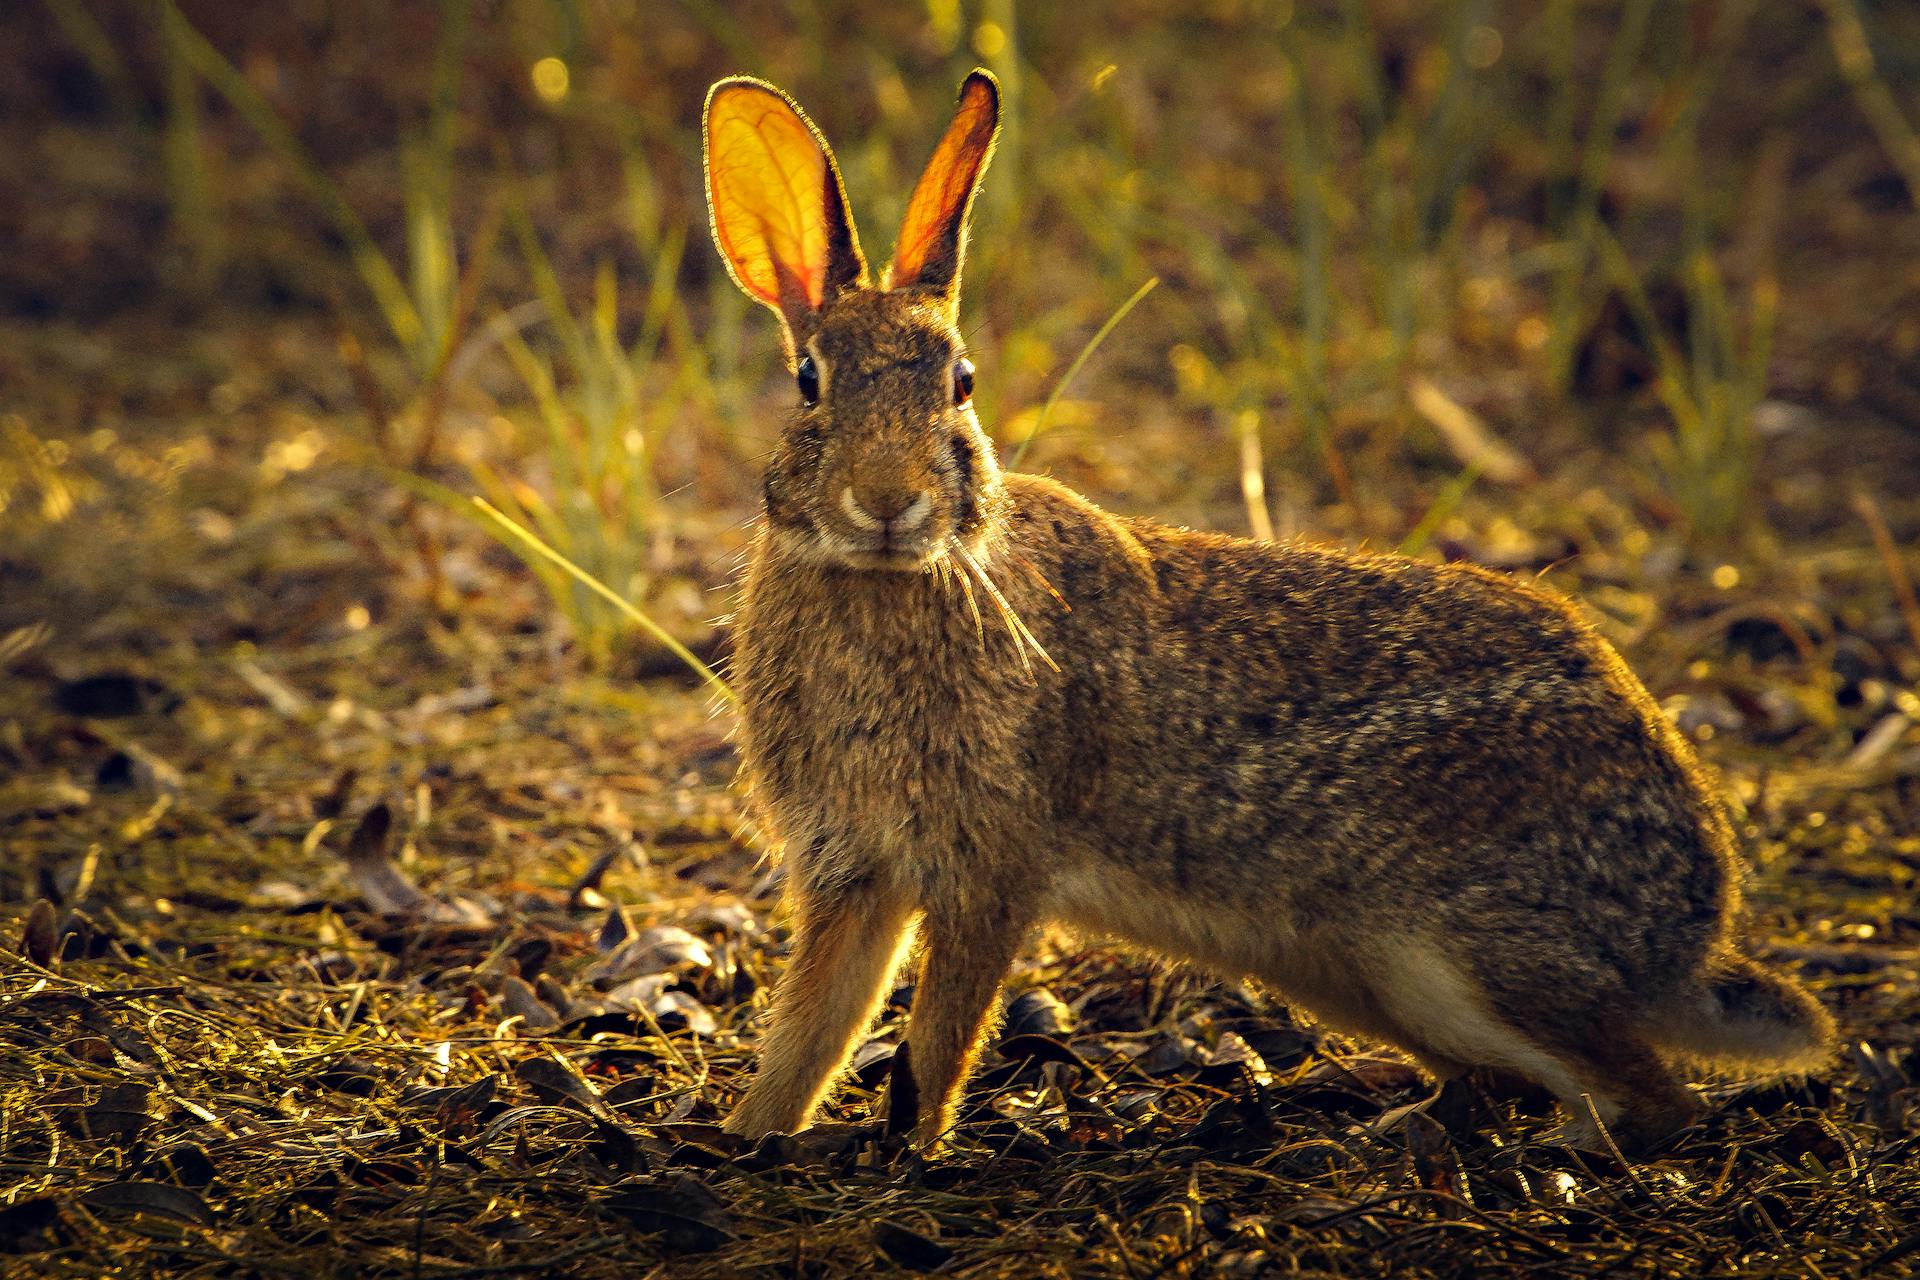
779	210
933	238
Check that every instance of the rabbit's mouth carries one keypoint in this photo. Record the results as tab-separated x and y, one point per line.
913	552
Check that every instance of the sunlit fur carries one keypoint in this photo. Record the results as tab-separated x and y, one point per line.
1427	803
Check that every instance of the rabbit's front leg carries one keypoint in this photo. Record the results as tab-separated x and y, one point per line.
967	955
849	940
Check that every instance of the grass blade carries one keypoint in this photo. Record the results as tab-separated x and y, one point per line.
1093	344
532	542
377	273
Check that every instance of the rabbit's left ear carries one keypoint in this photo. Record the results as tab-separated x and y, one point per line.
779	210
933	238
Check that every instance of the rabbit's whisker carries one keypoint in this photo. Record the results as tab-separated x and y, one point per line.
999	602
1014	622
1034	569
973	605
1023	638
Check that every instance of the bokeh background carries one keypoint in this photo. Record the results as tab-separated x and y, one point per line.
1621	292
1408	257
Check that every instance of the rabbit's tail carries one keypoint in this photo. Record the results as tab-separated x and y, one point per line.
1746	1015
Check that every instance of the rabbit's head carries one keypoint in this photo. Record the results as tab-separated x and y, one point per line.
883	463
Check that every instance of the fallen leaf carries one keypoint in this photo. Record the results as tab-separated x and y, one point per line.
187	1164
135	766
122	1111
676	1009
108	696
24	1225
39	934
151	1197
687	1214
556	1084
385	887
522	1002
1038	1012
668	947
614	930
908	1247
641	992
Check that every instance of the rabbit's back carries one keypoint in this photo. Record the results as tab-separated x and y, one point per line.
1320	739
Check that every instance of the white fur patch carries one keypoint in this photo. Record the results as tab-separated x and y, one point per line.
854	512
913	517
1427	994
916	513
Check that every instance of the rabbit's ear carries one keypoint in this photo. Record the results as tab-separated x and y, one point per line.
933	239
778	207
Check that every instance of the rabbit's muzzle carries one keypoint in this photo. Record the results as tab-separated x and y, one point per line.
890	512
892	525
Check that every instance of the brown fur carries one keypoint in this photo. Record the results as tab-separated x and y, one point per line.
1426	802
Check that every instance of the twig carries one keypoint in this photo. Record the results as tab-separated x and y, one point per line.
546	1262
1253	480
533	543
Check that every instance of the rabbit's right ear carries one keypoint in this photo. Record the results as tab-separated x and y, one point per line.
933	238
779	210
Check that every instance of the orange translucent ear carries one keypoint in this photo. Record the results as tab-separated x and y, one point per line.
779	211
933	238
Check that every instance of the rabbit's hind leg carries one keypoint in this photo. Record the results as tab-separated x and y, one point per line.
1444	1018
1597	1068
1628	1088
1444	1015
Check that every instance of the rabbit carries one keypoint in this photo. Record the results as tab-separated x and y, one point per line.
1427	804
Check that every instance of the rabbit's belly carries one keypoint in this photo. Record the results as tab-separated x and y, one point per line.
1254	937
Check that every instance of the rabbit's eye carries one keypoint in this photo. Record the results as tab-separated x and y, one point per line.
962	381
807	374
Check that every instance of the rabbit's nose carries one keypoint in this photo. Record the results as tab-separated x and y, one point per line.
893	509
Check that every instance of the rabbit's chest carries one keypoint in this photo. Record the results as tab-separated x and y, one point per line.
875	736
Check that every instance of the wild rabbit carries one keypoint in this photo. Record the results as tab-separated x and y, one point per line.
1427	803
